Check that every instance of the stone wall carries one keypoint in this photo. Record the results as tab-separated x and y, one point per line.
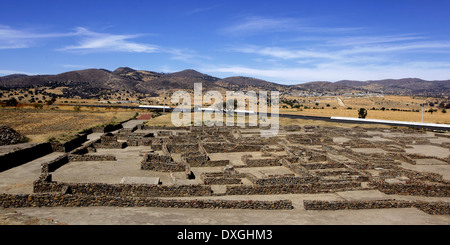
18	157
140	142
74	157
442	208
107	128
228	147
220	178
262	162
54	164
413	188
74	143
293	189
319	165
413	175
70	200
111	145
331	172
295	167
135	190
156	162
195	159
109	141
286	180
182	148
420	156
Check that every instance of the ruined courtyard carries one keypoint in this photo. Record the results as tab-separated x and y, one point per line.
232	175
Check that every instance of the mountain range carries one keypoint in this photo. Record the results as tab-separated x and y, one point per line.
92	83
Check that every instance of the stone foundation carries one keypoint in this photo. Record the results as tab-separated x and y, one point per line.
441	208
70	200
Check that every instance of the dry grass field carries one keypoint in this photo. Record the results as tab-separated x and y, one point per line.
436	117
406	108
60	123
166	120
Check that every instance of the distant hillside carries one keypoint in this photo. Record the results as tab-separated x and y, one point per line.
86	83
406	86
92	83
248	83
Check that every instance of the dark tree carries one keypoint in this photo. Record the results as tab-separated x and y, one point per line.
362	113
12	102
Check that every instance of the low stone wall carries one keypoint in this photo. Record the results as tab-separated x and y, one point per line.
52	165
227	147
163	167
328	165
195	159
372	165
295	167
201	160
182	148
135	190
293	189
220	178
286	180
413	175
22	156
140	142
74	143
263	162
111	145
69	200
107	128
420	156
335	172
414	189
57	146
442	208
156	162
216	163
76	158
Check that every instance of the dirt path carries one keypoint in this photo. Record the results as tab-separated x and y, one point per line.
340	102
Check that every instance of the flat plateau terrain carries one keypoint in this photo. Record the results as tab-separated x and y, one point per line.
39	125
343	164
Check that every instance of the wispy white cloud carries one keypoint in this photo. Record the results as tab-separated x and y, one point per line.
11	38
94	42
251	25
343	53
105	42
200	10
282	53
338	58
366	40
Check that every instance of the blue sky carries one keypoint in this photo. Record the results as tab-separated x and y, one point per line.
288	42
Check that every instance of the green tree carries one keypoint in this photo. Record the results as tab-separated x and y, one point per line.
362	113
12	102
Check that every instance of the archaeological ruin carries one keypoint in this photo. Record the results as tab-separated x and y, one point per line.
214	167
